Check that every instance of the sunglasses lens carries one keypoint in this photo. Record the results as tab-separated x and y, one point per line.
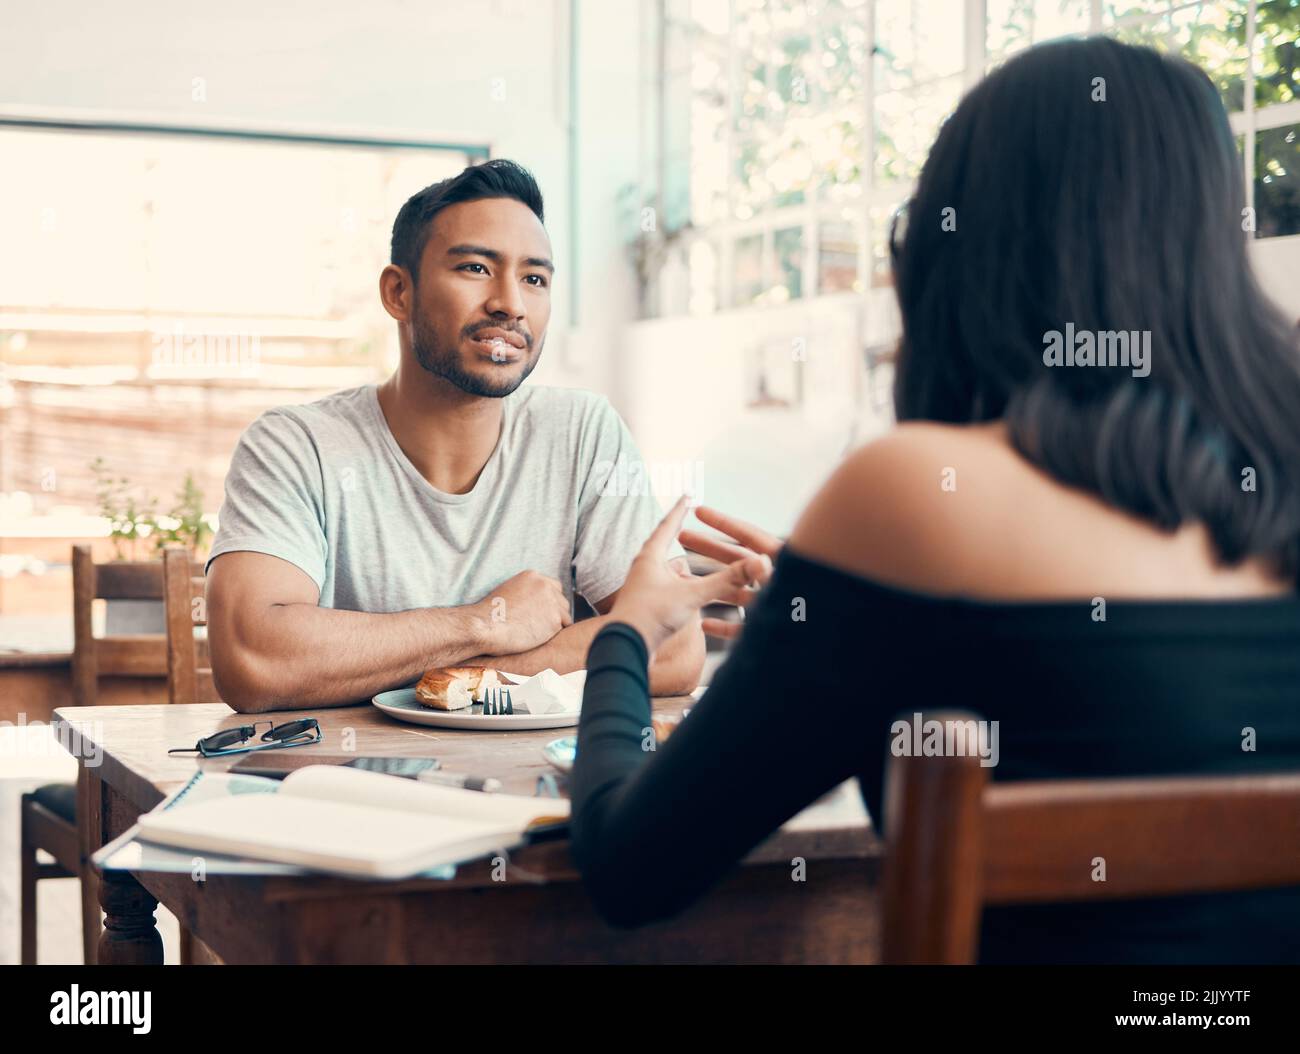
291	730
230	736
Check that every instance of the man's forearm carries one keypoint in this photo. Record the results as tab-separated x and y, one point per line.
301	655
674	670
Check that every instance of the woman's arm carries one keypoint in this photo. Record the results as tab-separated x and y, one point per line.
655	828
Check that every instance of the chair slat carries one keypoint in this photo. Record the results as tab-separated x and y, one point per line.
135	580
132	655
189	677
1156	837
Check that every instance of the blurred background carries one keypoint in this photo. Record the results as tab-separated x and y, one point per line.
195	204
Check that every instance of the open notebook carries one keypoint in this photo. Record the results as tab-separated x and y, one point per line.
350	822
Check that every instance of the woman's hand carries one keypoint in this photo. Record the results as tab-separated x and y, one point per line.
743	540
658	600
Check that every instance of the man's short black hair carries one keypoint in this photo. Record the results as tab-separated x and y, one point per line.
497	178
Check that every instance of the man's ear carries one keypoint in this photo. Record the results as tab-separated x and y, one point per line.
397	291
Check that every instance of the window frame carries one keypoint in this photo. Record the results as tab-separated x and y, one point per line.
722	234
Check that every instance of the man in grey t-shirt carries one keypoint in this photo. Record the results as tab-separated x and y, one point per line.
446	516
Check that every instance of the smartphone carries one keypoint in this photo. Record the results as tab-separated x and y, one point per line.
267	763
408	767
273	764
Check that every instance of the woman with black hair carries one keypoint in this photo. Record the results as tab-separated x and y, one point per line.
1085	189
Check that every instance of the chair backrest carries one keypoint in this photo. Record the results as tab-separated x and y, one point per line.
955	843
189	672
120	655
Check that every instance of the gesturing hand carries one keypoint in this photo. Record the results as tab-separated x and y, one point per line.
743	540
658	600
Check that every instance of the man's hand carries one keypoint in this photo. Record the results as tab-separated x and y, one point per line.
522	613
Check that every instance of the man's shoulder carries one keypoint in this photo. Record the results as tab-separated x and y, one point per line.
340	409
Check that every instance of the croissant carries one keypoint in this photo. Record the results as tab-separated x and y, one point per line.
454	687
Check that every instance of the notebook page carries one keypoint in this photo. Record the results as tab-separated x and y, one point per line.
325	835
338	784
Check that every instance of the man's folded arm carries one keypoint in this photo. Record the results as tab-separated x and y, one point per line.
674	669
273	648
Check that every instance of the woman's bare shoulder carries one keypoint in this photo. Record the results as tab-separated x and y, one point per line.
955	510
902	508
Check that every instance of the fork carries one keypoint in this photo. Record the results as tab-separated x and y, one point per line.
496	702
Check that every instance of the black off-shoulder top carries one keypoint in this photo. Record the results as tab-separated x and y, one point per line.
828	660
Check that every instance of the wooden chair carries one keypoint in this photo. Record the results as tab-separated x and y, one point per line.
49	814
52	815
189	671
956	843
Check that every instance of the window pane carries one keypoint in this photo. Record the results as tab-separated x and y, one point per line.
1114	10
1153	33
844	52
193	282
704	278
795	73
837	257
1278	76
1277	181
1213	35
747	282
183	224
918	42
753	100
677	148
906	126
881	218
1015	24
772	170
750	188
712	16
676	193
788	243
708	141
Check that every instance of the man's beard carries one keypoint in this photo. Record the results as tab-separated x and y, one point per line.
445	362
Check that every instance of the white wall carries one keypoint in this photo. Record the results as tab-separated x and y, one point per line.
687	388
1277	265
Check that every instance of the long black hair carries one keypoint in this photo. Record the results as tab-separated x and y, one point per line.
1092	186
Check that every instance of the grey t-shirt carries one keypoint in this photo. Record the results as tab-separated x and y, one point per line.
326	487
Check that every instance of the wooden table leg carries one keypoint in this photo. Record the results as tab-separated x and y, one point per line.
130	934
90	833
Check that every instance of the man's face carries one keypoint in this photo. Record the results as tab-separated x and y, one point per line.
483	296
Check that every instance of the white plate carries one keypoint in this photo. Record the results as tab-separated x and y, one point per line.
402	704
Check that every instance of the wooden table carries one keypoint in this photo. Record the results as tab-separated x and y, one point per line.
540	913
